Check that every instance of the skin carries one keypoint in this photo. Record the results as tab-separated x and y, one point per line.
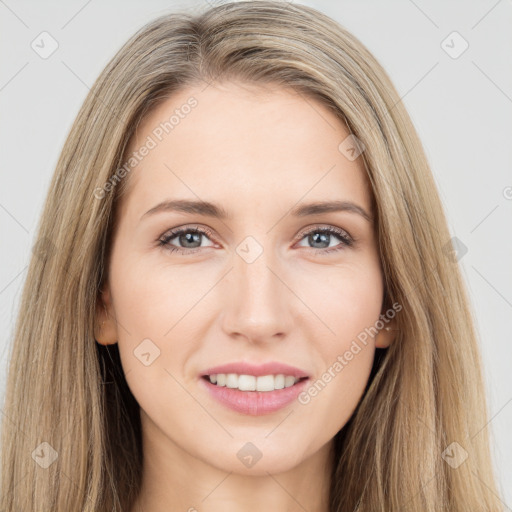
258	152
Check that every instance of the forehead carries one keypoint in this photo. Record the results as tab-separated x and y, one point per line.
234	142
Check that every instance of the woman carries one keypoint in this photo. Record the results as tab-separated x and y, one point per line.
261	370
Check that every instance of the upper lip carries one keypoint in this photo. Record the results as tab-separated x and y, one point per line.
243	368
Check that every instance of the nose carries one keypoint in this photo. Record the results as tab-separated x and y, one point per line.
258	303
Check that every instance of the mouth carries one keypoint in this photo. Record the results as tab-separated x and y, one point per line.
254	389
246	382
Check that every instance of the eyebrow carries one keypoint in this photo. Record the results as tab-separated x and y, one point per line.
209	209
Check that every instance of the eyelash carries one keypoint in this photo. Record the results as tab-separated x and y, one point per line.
346	240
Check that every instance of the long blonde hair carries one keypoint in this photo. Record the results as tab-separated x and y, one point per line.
425	400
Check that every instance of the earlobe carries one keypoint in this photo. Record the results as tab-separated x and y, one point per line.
386	336
105	328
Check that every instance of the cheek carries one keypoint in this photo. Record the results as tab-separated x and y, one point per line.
350	307
346	298
157	312
330	400
332	396
151	297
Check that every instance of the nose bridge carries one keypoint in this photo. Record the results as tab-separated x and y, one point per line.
255	277
258	303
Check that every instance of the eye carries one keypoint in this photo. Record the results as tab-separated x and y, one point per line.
319	236
190	239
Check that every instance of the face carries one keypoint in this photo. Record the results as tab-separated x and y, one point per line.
269	283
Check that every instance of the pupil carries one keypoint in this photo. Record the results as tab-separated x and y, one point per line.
189	238
322	236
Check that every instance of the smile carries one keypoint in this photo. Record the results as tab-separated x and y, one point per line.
252	382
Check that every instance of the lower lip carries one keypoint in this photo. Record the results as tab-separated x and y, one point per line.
254	403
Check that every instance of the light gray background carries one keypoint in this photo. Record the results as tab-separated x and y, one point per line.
461	108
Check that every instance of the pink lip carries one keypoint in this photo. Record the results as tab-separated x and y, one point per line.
271	368
254	402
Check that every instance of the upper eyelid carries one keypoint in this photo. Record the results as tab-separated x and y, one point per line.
323	226
171	233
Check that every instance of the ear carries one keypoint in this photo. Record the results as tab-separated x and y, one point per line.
105	329
386	335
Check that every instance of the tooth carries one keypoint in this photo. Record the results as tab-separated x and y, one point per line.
289	381
247	383
252	383
279	381
265	383
231	380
